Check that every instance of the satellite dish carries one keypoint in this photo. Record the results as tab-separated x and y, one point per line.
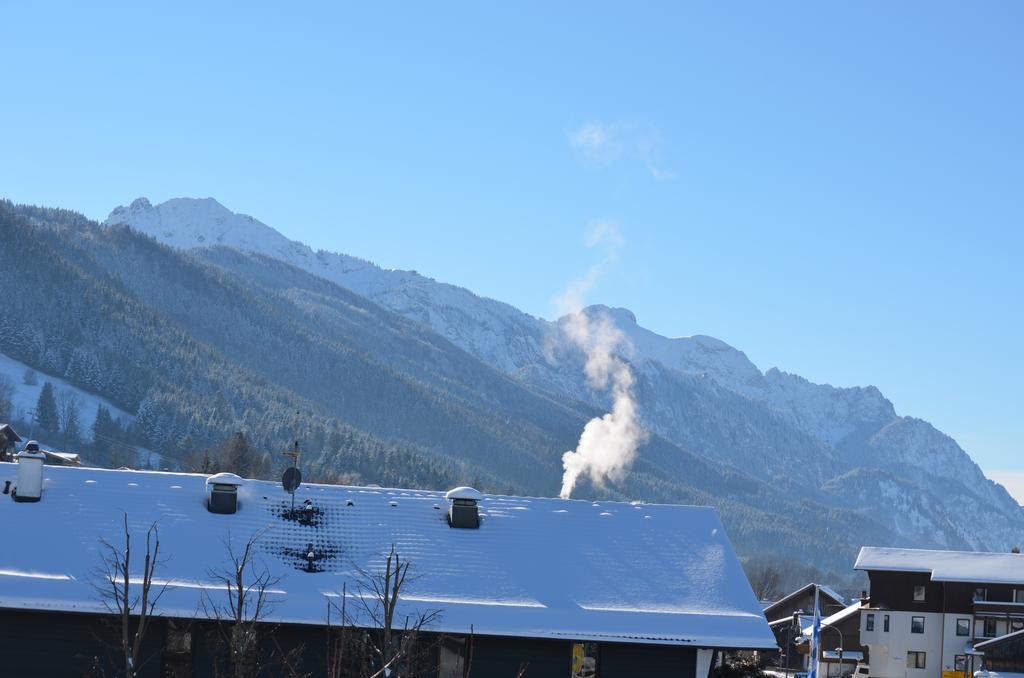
291	479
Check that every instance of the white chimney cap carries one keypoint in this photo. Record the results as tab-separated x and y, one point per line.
225	479
30	454
464	493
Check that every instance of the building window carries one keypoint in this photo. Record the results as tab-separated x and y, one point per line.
960	663
989	630
869	622
451	657
918	594
179	638
963	627
584	660
1018	595
980	594
915	660
885	623
917	624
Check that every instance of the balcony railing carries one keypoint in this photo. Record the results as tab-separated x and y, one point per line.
998	608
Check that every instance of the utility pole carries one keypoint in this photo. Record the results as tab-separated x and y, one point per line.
294	477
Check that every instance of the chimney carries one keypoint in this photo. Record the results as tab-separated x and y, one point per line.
30	473
222	493
462	508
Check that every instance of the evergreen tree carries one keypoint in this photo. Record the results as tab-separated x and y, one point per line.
237	457
72	428
6	398
104	425
46	409
106	434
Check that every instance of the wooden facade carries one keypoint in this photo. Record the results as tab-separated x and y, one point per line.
1005	654
895	591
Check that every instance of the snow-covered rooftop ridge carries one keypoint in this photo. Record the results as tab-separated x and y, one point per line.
806	589
535	567
952	566
833	619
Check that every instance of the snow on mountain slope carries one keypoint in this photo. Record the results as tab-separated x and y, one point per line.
27	395
827	413
830	414
698	355
496	332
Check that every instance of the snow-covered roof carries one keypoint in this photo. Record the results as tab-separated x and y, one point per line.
8	432
834	619
534	568
952	566
63	457
804	620
984	645
848	655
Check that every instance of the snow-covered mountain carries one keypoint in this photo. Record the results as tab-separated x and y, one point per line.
496	332
844	446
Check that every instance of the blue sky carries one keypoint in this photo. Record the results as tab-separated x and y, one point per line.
834	188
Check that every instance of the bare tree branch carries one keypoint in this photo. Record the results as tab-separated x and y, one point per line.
392	641
114	586
248	587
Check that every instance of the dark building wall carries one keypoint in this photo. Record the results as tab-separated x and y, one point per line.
628	661
803	602
493	656
1006	656
960	597
895	590
786	608
850	630
54	645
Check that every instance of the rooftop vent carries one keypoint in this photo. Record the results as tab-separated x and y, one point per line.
222	492
462	508
30	473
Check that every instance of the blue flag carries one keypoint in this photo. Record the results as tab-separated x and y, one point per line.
815	640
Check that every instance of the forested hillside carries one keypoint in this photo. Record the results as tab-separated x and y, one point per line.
67	315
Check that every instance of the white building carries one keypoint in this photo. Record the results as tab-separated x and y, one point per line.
927	609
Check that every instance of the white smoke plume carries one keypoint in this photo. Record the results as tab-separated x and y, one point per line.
608	444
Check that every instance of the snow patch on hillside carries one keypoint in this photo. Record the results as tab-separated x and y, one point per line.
26	396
